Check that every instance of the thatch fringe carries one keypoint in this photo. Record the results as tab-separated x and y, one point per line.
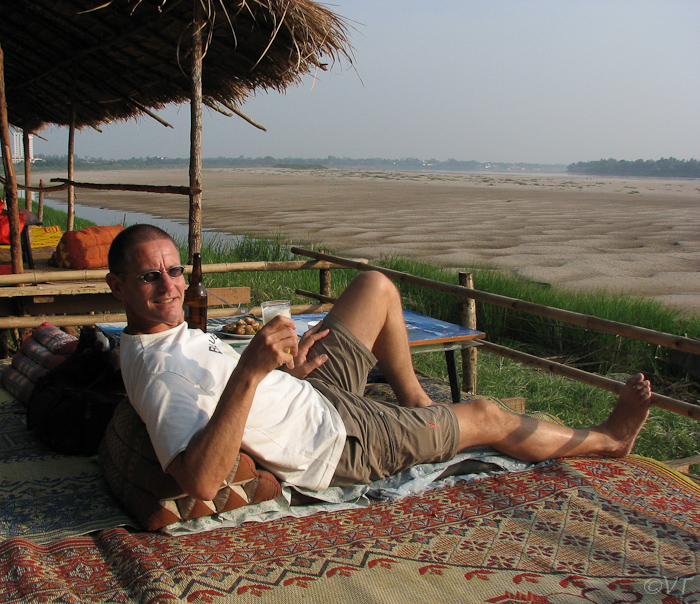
249	45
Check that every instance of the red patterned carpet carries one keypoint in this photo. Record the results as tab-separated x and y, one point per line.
580	530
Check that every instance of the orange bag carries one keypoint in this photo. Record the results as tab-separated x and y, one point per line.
86	248
5	227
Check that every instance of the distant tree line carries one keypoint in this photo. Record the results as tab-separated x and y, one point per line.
59	162
55	162
664	167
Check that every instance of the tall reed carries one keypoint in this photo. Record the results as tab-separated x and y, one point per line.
588	349
264	285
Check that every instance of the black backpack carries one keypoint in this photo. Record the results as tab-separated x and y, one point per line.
72	404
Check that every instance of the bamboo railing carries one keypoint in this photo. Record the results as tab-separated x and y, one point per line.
30	322
172	189
566	316
323	262
35	278
659	400
613	327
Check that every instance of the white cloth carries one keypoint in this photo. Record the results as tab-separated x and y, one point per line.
175	378
413	481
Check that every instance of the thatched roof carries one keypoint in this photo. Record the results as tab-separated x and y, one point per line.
116	58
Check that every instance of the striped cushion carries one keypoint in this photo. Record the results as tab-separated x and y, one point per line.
55	340
133	472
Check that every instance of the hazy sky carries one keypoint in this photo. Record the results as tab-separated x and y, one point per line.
539	81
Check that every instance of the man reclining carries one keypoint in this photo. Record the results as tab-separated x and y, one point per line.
309	423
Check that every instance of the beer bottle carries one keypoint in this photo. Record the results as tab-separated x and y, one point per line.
196	297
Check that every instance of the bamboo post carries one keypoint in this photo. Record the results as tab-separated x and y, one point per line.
195	216
71	167
324	279
40	211
27	170
10	177
467	313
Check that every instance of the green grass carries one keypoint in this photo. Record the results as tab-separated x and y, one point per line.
51	217
666	435
589	349
264	285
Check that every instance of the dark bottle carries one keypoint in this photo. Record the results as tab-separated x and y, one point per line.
196	297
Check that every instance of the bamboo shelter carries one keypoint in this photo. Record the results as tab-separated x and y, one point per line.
83	63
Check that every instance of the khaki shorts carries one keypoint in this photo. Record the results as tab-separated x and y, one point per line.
382	438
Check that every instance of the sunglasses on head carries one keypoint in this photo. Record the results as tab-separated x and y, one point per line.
152	276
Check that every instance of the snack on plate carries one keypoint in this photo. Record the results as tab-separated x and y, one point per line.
247	326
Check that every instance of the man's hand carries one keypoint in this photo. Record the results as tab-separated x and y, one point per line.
305	361
274	345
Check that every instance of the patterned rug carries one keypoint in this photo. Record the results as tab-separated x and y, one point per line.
577	530
581	530
46	496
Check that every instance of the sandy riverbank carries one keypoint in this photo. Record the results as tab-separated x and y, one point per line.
641	236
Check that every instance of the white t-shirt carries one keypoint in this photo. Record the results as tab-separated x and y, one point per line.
175	378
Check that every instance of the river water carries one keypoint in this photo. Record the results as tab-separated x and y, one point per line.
103	216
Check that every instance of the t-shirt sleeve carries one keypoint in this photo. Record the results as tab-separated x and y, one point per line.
174	410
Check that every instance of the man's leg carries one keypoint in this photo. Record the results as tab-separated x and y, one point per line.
370	307
483	423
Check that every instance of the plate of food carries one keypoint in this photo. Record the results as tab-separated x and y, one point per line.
243	328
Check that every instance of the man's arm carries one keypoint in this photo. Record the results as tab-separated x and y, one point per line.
202	467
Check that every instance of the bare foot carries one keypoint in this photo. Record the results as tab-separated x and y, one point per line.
628	417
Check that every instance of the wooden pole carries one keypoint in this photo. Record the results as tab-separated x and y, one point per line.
315	296
149	113
566	316
65	183
40	212
27	170
659	400
195	218
71	167
57	188
10	177
470	359
324	276
242	115
170	189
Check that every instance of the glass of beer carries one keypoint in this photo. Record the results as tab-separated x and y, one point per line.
273	308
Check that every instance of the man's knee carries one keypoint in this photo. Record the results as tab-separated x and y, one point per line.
481	407
479	414
372	278
377	283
